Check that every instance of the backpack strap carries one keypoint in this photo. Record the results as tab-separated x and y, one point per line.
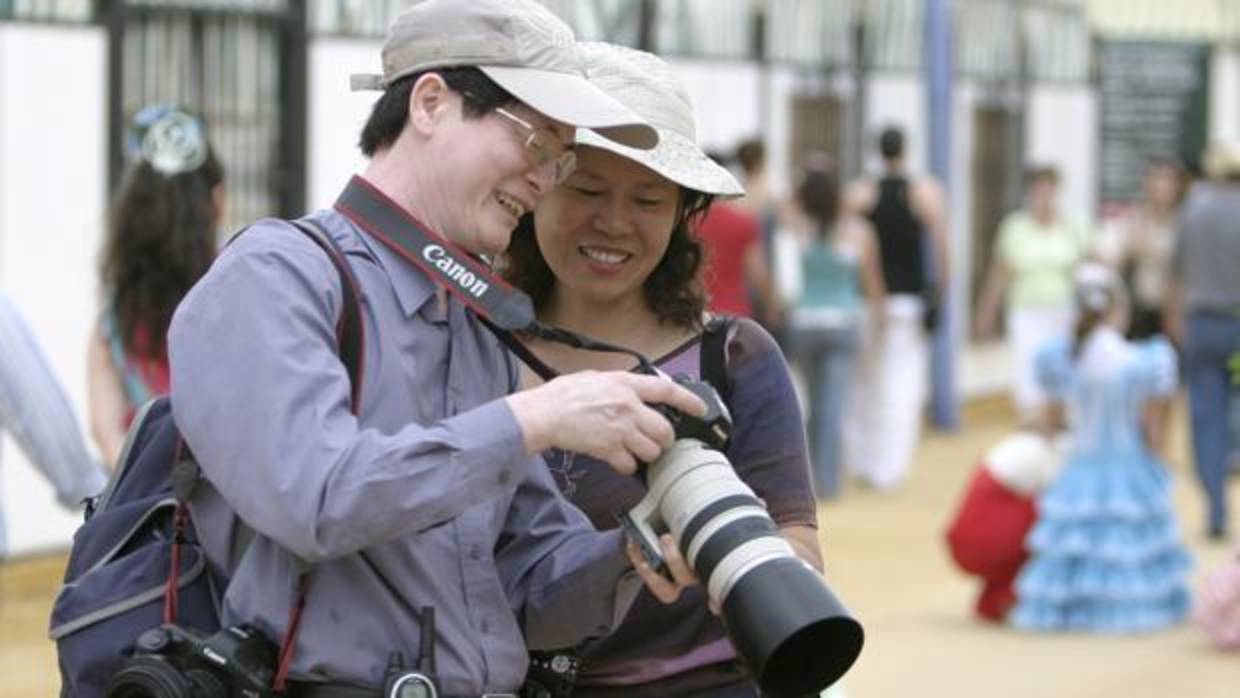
350	333
714	355
351	346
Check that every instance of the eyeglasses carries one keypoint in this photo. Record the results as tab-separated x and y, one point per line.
544	146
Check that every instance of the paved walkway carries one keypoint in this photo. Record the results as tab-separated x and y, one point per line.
886	558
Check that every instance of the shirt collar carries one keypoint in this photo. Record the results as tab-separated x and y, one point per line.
414	289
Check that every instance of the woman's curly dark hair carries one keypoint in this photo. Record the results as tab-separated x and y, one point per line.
160	241
674	289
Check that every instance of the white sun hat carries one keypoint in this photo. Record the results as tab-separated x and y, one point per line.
645	84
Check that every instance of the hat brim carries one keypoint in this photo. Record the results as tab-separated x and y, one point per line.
676	158
574	101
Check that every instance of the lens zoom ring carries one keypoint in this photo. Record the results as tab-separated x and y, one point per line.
708	512
727	539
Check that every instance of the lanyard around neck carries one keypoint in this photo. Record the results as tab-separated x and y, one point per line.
502	308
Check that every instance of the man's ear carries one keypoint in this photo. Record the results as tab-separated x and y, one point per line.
429	101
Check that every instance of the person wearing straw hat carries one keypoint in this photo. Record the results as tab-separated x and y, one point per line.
430	495
611	254
1203	315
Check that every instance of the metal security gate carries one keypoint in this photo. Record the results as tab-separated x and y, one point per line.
241	64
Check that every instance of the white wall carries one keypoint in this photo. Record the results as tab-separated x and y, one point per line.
1062	130
896	100
1225	95
336	115
52	179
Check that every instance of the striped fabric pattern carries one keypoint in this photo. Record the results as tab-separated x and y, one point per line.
36	413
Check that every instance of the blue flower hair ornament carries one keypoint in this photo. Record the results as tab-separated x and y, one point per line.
171	140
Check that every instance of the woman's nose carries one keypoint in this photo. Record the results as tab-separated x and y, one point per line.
612	217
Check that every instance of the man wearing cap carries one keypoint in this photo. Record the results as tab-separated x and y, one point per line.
432	496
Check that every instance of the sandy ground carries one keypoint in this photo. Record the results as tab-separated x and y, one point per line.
886	558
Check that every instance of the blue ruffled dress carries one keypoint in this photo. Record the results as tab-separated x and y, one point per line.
1106	554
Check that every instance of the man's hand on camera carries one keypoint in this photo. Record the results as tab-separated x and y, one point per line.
602	414
664	589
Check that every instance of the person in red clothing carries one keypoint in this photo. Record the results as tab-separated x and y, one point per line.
736	267
986	537
161	238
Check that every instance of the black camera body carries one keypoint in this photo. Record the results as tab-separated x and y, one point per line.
175	662
714	429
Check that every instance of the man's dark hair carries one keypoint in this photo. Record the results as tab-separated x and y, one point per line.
891	143
674	289
391	110
751	154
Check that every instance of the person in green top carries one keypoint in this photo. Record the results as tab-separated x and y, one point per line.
1031	269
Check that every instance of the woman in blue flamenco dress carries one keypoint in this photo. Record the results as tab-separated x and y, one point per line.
1106	552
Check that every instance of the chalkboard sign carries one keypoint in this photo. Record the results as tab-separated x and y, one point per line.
1154	104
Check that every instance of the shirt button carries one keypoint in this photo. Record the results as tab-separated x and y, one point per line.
475	552
504	477
486	627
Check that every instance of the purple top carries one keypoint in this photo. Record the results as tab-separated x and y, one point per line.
769	453
426	499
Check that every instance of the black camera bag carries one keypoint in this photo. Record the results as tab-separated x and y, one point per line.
136	562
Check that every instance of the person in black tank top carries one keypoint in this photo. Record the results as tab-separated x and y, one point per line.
899	237
885	415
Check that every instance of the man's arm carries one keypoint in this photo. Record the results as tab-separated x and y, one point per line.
928	204
262	398
33	407
105	399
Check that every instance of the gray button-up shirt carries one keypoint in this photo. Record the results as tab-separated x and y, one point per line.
428	498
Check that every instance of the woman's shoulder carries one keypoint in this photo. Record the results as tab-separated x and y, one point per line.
746	338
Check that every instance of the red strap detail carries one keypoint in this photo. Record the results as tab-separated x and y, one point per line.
174	574
289	646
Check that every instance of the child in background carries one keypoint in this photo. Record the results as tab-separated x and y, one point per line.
1218	606
1106	552
987	536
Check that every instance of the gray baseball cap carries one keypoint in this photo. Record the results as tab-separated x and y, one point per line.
520	45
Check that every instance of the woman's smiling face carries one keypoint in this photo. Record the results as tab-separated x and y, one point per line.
605	229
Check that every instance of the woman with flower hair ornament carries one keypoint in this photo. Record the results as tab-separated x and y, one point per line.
161	238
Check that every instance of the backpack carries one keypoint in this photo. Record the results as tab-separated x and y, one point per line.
137	561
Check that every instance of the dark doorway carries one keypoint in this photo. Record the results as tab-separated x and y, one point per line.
816	128
242	66
995	190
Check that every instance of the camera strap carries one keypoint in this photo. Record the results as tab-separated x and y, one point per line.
501	308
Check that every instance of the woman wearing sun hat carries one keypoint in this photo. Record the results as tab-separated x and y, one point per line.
611	253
